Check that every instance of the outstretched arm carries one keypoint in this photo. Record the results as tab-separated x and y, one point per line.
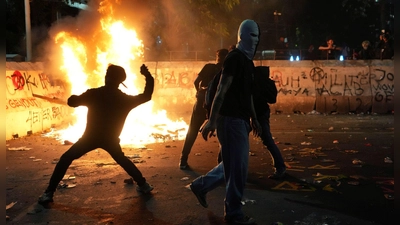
149	88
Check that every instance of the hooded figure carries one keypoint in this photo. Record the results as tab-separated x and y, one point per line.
248	38
232	116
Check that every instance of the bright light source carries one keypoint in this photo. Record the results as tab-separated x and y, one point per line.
297	58
291	58
341	58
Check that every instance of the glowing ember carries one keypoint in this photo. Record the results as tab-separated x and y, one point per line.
122	47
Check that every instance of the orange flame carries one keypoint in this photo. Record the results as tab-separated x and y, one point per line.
123	47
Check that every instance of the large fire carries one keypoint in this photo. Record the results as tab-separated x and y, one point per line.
122	47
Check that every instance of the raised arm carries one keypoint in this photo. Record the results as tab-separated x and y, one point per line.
149	88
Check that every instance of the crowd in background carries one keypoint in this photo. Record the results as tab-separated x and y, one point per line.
383	48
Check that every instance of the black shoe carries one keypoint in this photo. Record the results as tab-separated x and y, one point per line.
145	188
183	165
278	175
201	197
46	197
242	220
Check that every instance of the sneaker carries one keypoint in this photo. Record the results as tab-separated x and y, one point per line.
201	197
278	175
46	198
242	220
145	188
183	165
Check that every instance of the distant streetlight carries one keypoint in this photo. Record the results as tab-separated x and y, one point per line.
28	34
276	20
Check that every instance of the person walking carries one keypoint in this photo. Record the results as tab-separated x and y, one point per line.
199	113
108	108
233	117
261	106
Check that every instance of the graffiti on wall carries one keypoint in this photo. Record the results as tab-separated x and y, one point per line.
334	82
382	85
336	88
46	114
22	86
185	79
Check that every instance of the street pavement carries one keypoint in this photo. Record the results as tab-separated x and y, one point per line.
340	171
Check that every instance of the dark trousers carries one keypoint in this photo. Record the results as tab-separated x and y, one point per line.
268	141
197	119
85	145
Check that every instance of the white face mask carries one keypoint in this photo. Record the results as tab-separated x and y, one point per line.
248	38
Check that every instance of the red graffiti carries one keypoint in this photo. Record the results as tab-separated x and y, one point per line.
18	80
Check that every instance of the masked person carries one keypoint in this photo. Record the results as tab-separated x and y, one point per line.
108	108
233	117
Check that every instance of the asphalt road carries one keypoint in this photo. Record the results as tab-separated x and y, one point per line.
337	175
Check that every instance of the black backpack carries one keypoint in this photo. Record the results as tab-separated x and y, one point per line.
264	86
210	92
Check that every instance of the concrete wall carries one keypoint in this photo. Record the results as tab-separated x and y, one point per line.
32	100
35	102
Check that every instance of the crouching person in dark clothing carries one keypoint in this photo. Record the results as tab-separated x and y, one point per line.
108	108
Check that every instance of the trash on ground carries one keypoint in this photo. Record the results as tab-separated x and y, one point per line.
37	160
128	181
138	161
22	148
248	201
305	143
351	151
185	178
388	160
134	156
355	183
106	164
357	162
66	142
9	206
198	154
327	160
331	128
389	196
335	142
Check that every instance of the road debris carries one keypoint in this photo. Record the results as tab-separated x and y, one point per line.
9	206
22	148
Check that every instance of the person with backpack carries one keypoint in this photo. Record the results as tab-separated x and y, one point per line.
199	113
265	93
233	118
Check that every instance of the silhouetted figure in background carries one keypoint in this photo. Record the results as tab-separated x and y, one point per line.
261	106
366	52
281	49
199	113
329	50
108	108
311	54
386	47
